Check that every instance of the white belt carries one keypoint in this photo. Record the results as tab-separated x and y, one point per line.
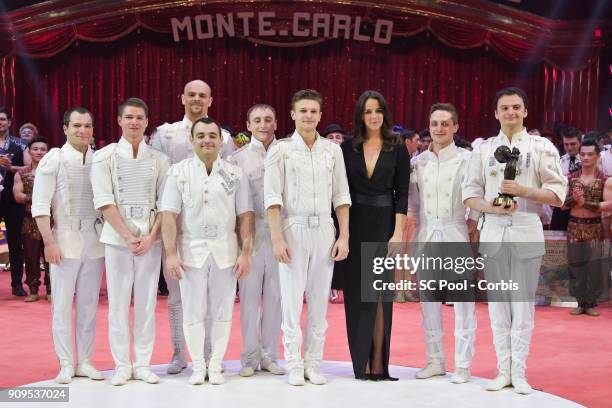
76	224
209	231
137	212
517	219
311	221
438	224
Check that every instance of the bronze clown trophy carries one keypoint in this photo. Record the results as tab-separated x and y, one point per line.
504	155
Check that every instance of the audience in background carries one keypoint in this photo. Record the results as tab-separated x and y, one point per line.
30	235
425	137
11	161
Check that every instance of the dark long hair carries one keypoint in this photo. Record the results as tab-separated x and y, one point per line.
390	139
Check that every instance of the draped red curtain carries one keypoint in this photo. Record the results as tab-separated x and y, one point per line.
411	72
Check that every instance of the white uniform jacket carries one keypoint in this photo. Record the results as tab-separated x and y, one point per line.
135	186
62	188
250	159
305	182
435	198
538	167
207	206
174	140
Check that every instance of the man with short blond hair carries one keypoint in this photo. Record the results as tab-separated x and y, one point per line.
260	307
304	176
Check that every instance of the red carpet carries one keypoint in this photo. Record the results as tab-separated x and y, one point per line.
570	356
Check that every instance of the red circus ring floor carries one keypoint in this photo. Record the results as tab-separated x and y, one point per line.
570	356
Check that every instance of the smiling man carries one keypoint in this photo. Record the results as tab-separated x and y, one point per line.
175	141
304	176
539	181
202	198
437	205
128	179
260	320
62	188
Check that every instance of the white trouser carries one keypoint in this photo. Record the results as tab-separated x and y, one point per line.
175	313
512	322
465	332
310	271
208	291
125	271
80	277
260	323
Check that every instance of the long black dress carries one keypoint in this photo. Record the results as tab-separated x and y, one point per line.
375	201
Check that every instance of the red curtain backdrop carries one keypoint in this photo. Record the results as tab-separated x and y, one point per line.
411	72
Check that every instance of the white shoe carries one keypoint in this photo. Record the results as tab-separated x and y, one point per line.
88	370
499	382
198	377
65	375
431	370
273	368
222	365
296	377
460	376
215	377
246	371
145	374
176	366
521	386
121	377
313	375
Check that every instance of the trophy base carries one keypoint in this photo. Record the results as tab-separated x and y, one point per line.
503	201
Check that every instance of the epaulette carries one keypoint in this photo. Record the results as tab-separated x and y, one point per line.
50	162
465	153
545	146
235	152
179	171
164	126
104	153
232	168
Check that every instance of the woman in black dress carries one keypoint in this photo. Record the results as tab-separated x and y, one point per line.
378	170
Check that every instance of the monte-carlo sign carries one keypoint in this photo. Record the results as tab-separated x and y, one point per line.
260	24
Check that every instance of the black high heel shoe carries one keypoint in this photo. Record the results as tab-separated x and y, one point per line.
382	377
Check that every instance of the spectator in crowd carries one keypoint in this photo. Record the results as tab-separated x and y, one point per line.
606	162
27	132
462	143
535	132
412	141
11	161
570	162
425	137
588	191
336	134
30	235
559	130
548	134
